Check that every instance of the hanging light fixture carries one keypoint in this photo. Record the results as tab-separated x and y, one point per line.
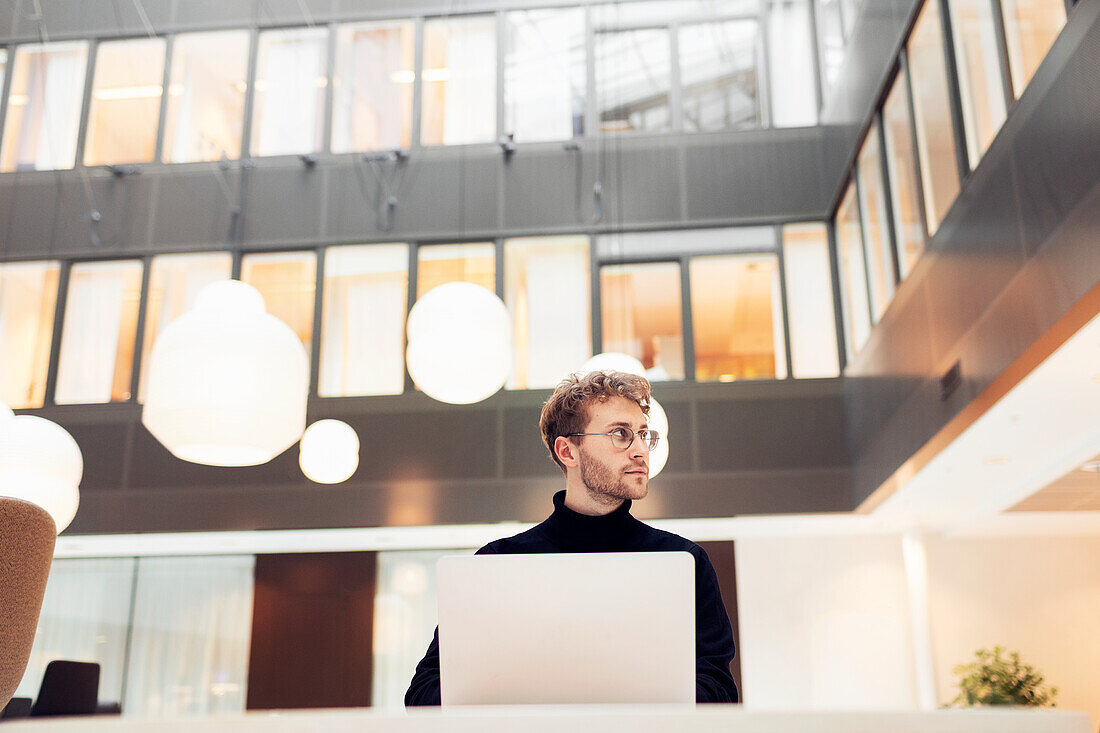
40	463
228	382
329	452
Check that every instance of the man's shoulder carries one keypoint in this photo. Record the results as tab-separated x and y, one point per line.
660	540
532	540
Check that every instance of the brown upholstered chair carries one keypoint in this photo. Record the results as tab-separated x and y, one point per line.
27	536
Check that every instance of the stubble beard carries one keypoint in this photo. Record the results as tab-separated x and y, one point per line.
604	486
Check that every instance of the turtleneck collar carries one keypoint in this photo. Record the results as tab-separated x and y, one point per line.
576	532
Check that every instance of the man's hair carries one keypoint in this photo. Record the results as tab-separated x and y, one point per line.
567	409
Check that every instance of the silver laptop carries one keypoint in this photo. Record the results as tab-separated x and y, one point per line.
568	628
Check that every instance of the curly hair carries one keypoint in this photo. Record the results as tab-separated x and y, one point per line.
567	409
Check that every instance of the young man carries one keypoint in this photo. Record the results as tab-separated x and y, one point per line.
596	429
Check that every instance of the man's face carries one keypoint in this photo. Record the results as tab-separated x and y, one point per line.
612	474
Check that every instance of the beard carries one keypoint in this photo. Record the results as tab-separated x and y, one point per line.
607	487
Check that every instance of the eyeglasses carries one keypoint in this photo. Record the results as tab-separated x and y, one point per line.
623	438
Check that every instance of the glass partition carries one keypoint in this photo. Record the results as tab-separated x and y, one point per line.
372	91
545	74
718	75
791	64
830	39
125	107
810	311
901	166
471	262
459	81
853	273
1030	29
288	282
289	91
876	229
641	315
28	297
981	87
633	77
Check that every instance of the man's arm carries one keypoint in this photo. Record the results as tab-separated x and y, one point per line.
714	648
424	689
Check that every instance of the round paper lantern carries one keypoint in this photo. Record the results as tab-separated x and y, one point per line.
460	343
329	452
613	361
227	382
40	463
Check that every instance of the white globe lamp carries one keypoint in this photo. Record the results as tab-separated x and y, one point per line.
40	463
329	452
658	457
613	361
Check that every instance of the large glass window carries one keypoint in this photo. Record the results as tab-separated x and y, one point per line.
289	92
853	273
1030	29
472	262
810	301
174	283
830	39
737	318
718	75
901	165
28	295
47	90
545	74
98	333
641	315
633	66
547	291
125	106
791	64
3	65
288	282
980	84
459	81
372	90
363	320
935	135
876	230
206	96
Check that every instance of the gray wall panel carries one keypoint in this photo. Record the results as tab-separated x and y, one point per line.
285	203
123	205
35	201
541	187
192	208
642	183
205	14
450	192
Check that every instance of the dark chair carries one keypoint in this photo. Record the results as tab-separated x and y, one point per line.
68	688
17	707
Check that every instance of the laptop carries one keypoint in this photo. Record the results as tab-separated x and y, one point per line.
567	628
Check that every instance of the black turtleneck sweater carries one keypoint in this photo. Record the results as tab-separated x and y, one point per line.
567	531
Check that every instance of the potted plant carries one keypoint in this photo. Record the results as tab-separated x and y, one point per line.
995	680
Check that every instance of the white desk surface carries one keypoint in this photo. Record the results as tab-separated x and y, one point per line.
581	719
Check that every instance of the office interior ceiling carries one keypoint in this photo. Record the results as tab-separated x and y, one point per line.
1076	491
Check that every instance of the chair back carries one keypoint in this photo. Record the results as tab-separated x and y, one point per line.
68	688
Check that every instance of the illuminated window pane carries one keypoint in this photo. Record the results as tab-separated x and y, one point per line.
935	136
125	106
830	38
288	282
363	320
718	77
810	301
289	93
545	74
373	86
902	167
437	264
876	230
980	84
3	65
174	282
791	64
206	96
28	295
459	81
737	318
547	291
633	74
1030	29
641	316
47	88
97	337
853	274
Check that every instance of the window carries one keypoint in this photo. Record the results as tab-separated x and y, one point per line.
791	64
737	318
901	166
980	85
47	90
633	77
373	86
28	295
289	92
288	282
853	273
935	135
718	75
458	81
876	229
98	333
830	39
125	106
1030	29
174	282
363	320
473	262
547	291
810	301
545	74
641	315
206	96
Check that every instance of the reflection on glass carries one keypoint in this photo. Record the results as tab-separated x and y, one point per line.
902	168
473	262
980	84
544	74
552	335
830	35
1030	28
3	65
810	301
97	337
288	282
459	81
373	86
289	92
641	315
935	136
125	105
853	274
174	282
47	88
876	230
737	318
632	80
718	77
791	64
363	320
28	295
206	96
850	11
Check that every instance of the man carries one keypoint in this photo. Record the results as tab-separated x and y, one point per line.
596	429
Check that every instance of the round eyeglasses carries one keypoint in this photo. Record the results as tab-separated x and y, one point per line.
622	438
